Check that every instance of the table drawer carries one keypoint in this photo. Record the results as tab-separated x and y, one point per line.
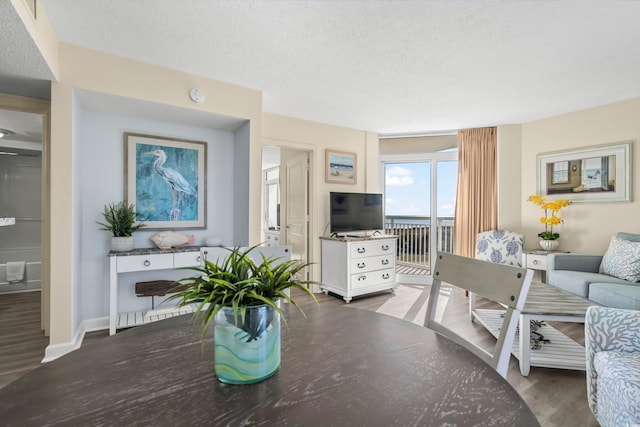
372	278
186	259
373	248
536	262
144	262
363	265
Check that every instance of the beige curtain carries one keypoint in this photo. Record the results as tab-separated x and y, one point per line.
477	194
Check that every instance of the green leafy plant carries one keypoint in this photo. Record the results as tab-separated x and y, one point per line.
239	282
120	219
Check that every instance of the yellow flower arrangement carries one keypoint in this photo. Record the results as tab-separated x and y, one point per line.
551	208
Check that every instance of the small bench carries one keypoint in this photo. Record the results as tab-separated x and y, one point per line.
156	288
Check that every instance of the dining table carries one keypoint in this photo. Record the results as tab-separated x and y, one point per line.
340	366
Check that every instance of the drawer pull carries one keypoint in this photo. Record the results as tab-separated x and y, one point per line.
361	265
384	262
361	250
385	276
147	263
385	247
361	278
198	259
536	262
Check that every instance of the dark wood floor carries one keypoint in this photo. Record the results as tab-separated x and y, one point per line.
557	397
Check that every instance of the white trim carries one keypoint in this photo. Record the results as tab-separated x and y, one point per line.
54	351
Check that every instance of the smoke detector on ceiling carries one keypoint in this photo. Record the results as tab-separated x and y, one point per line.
197	96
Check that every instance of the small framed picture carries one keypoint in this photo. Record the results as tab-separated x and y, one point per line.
340	167
166	180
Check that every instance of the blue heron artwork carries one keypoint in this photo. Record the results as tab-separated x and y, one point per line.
166	183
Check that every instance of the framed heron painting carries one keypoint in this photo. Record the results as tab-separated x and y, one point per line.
166	178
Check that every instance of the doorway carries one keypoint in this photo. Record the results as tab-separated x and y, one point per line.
420	195
292	210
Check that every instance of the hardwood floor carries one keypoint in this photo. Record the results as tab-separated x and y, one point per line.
556	396
22	343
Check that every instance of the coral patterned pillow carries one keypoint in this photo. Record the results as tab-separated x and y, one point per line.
622	260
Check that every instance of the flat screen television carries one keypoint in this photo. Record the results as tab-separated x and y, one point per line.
356	212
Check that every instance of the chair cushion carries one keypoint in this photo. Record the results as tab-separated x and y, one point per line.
622	260
618	387
500	247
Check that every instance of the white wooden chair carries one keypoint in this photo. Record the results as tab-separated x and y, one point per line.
505	284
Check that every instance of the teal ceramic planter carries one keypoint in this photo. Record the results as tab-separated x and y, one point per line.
250	351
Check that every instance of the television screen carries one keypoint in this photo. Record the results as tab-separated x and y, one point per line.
356	212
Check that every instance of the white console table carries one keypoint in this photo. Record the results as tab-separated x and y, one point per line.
146	259
353	266
150	259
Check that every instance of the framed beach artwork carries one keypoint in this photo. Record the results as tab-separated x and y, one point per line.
596	174
340	167
166	180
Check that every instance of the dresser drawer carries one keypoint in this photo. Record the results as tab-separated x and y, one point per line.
186	259
144	262
373	248
372	278
363	265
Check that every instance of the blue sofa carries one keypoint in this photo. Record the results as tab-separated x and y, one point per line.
579	274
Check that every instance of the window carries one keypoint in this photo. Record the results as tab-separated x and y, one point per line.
560	173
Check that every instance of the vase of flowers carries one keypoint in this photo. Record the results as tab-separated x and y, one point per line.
548	237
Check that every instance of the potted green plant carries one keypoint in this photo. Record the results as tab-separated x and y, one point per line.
242	298
120	220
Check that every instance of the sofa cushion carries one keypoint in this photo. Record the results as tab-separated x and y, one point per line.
616	295
629	236
618	387
577	282
622	260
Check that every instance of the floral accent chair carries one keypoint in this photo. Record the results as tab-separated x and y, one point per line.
500	247
612	346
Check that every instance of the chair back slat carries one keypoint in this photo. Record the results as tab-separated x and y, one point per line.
505	284
497	282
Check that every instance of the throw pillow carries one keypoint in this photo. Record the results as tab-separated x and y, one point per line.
622	260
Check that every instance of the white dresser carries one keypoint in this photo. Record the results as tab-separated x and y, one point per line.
272	238
358	266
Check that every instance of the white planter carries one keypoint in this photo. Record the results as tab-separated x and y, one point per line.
122	244
549	245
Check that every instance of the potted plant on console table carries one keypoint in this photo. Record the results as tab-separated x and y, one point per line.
120	220
242	298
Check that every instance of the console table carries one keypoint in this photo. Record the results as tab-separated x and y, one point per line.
146	259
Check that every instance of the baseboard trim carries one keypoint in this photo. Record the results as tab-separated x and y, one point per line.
55	351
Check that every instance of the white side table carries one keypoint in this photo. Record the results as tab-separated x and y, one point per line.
537	260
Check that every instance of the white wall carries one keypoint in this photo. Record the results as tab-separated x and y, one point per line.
101	147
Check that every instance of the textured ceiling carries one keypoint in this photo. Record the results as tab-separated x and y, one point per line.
393	67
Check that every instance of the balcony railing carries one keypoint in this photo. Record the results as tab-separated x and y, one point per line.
413	237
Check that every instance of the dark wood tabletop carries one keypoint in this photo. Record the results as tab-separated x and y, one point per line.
340	366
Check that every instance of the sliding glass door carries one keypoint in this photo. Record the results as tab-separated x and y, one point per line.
420	196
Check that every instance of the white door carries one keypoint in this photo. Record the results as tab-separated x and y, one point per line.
297	207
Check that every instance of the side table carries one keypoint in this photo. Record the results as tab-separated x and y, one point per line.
537	260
